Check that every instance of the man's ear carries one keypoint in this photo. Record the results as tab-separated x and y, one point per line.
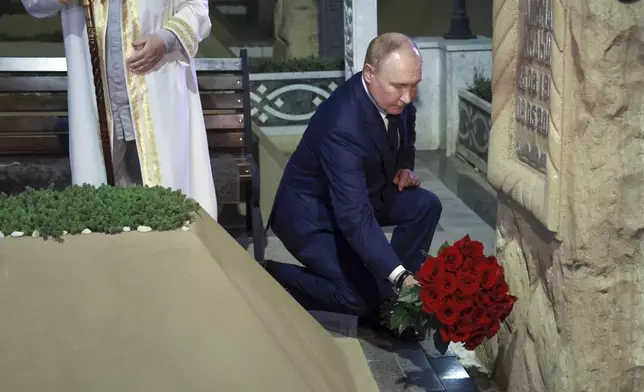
368	73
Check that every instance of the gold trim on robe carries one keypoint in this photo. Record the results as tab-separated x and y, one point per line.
139	105
184	32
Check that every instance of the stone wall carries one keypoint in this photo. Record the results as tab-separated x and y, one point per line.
431	18
296	28
570	232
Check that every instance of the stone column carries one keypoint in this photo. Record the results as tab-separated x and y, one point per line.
360	27
430	102
567	156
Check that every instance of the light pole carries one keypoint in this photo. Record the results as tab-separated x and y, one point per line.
459	27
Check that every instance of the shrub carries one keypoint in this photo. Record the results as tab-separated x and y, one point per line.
481	86
54	36
266	65
105	209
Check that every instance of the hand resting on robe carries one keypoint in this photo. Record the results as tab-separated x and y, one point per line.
147	53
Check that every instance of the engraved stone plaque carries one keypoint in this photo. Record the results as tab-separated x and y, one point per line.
533	79
530	85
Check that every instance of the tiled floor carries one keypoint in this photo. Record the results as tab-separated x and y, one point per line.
400	366
468	184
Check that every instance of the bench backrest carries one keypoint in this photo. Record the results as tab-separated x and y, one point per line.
33	105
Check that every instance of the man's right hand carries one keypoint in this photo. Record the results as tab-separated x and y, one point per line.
409	281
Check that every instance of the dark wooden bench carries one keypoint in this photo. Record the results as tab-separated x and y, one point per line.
34	141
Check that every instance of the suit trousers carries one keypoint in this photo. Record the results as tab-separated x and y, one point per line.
125	159
337	280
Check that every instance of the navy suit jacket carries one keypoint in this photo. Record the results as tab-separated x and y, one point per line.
341	175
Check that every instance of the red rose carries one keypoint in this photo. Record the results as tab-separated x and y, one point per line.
452	258
460	300
489	275
499	291
492	260
496	311
507	306
431	272
473	249
468	247
469	265
466	316
501	273
493	329
474	341
461	332
447	315
476	266
510	300
449	283
482	299
468	282
480	317
431	298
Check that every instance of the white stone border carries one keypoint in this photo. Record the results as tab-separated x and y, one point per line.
476	100
296	75
126	229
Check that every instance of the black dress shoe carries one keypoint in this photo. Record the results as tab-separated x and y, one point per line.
409	335
267	264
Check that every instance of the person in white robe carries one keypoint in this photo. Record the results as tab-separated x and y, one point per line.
153	108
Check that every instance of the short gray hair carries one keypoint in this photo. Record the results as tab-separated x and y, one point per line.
385	44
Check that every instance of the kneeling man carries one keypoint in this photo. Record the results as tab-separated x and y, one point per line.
352	173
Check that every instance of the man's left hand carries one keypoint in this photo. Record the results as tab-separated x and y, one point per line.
406	178
147	53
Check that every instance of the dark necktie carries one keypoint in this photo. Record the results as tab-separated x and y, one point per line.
392	132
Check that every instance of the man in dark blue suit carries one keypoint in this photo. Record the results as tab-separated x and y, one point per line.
352	173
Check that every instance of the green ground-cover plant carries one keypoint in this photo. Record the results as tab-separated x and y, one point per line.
105	209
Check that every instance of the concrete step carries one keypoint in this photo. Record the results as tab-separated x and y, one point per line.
253	51
231	9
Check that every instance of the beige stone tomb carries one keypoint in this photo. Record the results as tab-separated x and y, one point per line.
159	312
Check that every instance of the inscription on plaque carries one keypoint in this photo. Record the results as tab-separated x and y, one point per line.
533	83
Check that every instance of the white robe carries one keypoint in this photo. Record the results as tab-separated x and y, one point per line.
165	104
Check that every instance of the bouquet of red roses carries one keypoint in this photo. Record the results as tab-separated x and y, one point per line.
462	295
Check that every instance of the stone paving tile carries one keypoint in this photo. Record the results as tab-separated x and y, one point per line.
337	324
452	375
396	365
457	219
470	185
399	366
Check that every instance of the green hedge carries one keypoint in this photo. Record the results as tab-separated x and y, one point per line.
105	209
481	86
54	36
11	7
261	65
